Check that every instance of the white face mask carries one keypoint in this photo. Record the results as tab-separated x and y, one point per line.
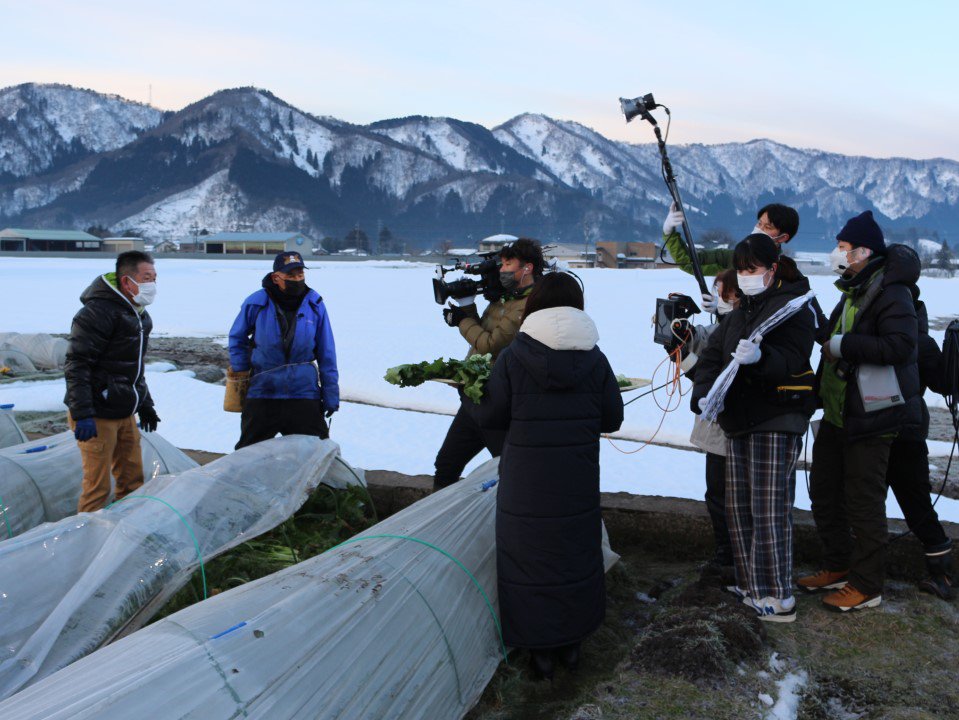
146	292
837	261
752	284
723	307
759	231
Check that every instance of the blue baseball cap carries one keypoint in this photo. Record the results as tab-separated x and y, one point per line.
286	261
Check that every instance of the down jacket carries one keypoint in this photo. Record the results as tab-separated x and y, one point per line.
776	393
554	392
885	333
498	326
104	366
256	344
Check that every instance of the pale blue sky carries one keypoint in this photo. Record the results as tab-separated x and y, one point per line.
871	78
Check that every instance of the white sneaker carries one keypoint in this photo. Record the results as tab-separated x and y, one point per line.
738	592
772	609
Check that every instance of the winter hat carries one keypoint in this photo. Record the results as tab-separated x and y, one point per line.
863	231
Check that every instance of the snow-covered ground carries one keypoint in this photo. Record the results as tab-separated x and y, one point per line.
383	314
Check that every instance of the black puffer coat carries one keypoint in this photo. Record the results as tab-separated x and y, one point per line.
554	391
104	368
885	333
776	393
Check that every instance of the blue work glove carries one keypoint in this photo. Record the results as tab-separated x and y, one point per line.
85	429
148	419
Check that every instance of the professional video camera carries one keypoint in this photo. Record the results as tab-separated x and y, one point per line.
488	285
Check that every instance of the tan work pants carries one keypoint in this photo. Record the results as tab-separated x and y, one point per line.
116	447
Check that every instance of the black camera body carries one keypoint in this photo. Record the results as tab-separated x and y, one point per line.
488	285
675	307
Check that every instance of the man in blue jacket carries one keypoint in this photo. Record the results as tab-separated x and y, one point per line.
282	338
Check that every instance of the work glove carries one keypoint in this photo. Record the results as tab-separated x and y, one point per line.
453	316
148	419
330	411
464	301
710	303
682	334
748	352
673	221
697	405
85	429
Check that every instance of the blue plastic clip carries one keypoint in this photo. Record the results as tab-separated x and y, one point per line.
488	484
228	630
8	406
38	448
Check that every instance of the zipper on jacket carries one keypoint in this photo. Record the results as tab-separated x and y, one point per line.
136	395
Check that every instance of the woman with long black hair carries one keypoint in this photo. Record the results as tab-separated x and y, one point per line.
554	392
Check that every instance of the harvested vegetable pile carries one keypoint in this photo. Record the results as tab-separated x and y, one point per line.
471	374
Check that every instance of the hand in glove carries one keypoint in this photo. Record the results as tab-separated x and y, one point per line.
697	405
330	411
673	221
710	303
453	316
148	419
682	334
85	429
748	352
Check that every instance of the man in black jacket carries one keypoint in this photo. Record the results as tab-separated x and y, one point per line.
105	383
873	332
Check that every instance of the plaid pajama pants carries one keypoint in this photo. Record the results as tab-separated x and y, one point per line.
760	489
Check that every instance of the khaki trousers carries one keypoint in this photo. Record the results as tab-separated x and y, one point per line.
116	447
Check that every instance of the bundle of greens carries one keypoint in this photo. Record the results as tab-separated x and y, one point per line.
623	381
471	374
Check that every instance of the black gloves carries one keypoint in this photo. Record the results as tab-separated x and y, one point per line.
682	336
148	419
453	316
329	413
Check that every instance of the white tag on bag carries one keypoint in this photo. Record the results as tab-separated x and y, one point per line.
878	387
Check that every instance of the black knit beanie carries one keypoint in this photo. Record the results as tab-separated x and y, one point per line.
863	231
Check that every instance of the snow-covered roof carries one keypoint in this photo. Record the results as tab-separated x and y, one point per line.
501	238
252	237
461	252
37	234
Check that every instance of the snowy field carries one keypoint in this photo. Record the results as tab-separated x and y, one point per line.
383	314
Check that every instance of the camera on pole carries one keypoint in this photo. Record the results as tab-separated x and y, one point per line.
667	309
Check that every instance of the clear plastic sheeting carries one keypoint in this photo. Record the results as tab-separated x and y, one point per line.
399	622
40	480
44	351
67	588
10	432
14	362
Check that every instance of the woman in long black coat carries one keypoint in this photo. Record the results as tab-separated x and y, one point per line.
554	392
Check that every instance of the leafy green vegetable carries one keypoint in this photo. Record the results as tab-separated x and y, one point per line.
623	381
471	374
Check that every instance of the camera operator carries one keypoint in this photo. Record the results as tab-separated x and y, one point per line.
521	264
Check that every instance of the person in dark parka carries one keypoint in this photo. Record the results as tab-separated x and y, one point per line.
873	324
554	392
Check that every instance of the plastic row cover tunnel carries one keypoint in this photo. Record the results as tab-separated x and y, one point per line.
67	588
44	351
40	480
10	432
399	622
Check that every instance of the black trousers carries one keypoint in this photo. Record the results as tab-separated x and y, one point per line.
262	419
716	505
464	441
908	476
847	487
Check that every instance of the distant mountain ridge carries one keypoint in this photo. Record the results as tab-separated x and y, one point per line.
243	158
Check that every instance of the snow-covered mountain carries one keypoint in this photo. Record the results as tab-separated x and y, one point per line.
245	158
